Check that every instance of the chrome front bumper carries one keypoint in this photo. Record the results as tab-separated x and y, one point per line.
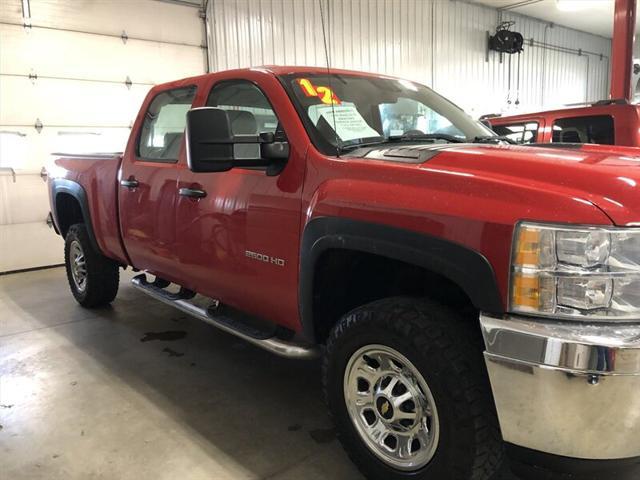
566	388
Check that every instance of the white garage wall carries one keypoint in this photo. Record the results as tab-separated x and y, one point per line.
440	43
68	72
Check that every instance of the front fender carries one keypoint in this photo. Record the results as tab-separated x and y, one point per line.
468	269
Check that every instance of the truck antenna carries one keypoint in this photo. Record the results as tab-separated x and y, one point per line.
327	58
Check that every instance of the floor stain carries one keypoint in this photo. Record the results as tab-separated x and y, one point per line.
168	336
323	435
172	353
295	427
6	406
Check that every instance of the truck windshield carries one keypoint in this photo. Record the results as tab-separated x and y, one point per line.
342	112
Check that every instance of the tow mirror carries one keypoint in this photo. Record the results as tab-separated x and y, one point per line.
212	146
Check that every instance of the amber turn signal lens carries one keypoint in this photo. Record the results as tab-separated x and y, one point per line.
527	247
533	252
525	291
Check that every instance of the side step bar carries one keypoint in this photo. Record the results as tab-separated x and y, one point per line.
273	344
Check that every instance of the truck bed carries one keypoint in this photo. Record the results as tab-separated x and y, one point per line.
97	173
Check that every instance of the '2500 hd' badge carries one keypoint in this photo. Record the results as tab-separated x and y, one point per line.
264	258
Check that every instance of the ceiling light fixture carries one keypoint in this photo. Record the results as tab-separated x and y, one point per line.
577	5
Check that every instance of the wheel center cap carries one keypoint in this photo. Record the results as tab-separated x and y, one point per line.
385	409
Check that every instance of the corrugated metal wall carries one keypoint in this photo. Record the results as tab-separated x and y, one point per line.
440	43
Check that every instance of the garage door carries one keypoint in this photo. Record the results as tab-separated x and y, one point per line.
72	76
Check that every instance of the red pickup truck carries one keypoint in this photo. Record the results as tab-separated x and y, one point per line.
469	298
609	122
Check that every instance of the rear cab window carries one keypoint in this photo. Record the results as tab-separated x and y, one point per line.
164	123
519	132
588	129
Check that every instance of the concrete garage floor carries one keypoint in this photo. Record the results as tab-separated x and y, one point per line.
141	391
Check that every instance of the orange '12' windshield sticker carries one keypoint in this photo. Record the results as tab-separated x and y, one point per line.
325	94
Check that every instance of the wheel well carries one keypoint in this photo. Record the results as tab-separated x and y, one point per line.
346	279
68	212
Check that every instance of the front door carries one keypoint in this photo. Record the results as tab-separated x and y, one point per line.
148	183
240	243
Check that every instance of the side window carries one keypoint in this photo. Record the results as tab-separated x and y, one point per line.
520	133
594	129
164	124
249	110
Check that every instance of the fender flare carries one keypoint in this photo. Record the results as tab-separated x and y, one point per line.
63	185
468	269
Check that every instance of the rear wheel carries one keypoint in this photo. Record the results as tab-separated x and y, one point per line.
93	278
407	388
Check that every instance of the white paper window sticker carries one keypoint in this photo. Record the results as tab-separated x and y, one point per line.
349	124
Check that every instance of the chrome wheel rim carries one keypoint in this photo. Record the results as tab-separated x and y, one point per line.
392	407
78	266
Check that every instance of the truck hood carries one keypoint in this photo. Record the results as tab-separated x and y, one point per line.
606	176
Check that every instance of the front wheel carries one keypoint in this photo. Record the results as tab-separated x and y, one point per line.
93	278
407	388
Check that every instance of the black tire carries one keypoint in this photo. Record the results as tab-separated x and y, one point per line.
102	275
446	349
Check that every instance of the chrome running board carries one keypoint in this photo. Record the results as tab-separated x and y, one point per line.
270	343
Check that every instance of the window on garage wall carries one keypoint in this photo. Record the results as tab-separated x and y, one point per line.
77	142
13	149
91	140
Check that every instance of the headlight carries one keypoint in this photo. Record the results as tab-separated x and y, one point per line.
575	273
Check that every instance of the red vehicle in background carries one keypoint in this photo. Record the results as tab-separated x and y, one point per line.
609	122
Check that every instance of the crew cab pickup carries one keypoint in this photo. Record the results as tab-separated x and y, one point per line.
609	122
472	300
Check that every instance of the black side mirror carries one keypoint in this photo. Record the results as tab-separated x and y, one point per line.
212	146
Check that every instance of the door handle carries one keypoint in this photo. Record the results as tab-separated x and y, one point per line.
129	183
192	192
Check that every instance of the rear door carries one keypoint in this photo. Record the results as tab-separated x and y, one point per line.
240	243
148	181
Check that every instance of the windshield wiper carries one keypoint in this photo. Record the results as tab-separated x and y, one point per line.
424	136
494	139
355	146
403	138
